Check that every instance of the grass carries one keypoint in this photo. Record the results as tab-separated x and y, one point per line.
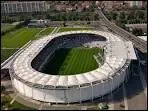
6	53
47	31
5	101
64	29
72	61
17	39
6	27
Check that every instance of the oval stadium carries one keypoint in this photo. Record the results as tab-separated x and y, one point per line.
106	58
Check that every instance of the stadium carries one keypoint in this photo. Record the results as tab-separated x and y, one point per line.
31	78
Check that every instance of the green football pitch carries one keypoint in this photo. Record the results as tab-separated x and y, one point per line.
16	39
71	61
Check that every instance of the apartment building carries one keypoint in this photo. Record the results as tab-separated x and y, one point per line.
135	3
25	6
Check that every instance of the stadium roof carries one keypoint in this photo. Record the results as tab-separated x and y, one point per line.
115	59
123	49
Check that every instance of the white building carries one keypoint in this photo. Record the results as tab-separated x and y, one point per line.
135	3
143	37
73	88
25	6
37	23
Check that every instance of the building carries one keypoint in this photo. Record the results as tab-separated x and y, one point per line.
25	6
112	4
60	7
143	37
108	4
143	27
115	69
37	23
136	3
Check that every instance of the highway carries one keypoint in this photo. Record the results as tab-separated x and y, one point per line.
137	42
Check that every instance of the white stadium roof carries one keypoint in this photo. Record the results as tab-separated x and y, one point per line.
116	55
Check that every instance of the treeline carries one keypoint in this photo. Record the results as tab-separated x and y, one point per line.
127	17
56	16
73	16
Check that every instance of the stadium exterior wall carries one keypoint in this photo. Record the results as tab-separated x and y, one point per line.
71	95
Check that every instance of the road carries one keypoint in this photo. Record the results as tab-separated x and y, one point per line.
138	43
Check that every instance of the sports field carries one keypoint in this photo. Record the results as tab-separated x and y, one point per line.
7	27
72	61
16	39
6	53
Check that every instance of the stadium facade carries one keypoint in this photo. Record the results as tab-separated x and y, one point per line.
115	69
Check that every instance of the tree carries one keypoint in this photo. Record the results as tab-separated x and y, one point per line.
96	17
114	15
134	7
122	16
91	8
26	21
64	24
131	15
140	14
103	106
108	15
3	89
87	17
64	17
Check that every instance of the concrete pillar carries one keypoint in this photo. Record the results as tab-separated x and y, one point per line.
12	79
32	91
24	89
103	87
80	94
92	96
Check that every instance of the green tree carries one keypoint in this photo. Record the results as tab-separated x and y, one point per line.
108	15
122	16
3	89
96	17
114	15
140	14
131	15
